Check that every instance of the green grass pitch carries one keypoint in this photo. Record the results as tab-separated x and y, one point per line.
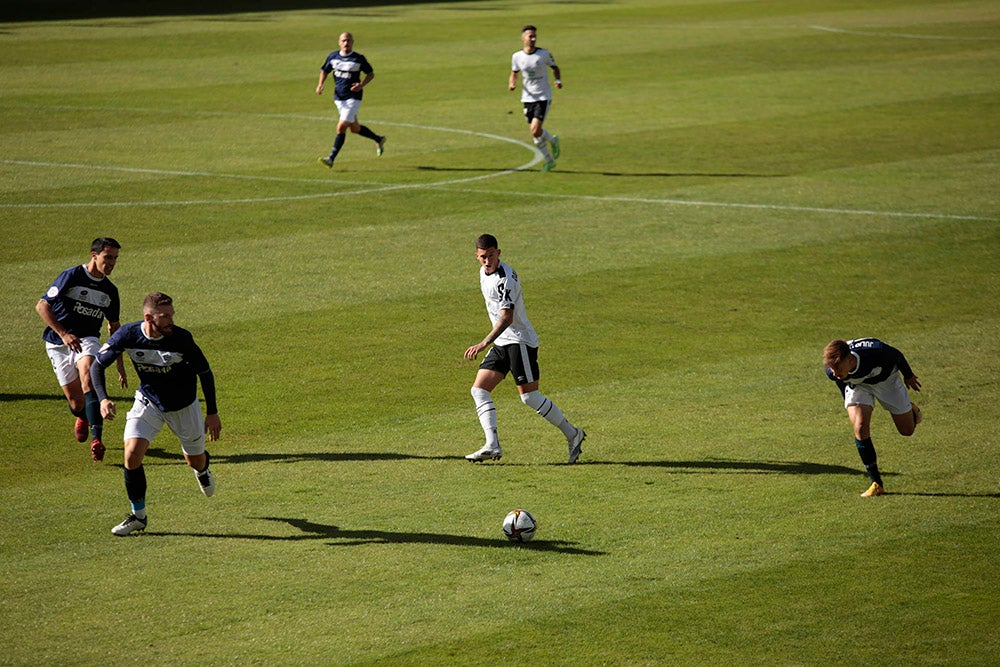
740	182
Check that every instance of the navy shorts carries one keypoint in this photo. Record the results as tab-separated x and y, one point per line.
518	359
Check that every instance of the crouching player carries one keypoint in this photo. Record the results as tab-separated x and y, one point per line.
866	370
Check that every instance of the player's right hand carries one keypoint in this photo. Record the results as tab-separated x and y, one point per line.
108	409
71	341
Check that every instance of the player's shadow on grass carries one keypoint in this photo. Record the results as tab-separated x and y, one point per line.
347	538
298	457
928	494
746	466
9	398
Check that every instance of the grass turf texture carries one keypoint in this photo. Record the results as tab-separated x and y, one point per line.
740	183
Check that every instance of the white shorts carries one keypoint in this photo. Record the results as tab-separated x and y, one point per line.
145	420
64	359
348	109
891	394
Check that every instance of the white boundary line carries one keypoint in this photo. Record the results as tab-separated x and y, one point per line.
766	207
375	187
862	33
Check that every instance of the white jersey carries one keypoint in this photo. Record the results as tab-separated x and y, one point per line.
534	69
502	291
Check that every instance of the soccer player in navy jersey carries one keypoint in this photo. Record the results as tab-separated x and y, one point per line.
533	63
73	309
515	351
866	370
169	365
347	66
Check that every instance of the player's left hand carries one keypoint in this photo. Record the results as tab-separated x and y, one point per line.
912	383
213	425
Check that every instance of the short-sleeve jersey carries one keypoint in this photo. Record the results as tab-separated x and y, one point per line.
877	361
167	367
502	291
346	71
534	69
81	302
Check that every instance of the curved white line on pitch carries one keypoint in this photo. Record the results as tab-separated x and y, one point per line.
441	184
901	35
374	187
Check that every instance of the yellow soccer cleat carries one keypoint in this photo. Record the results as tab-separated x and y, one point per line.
874	490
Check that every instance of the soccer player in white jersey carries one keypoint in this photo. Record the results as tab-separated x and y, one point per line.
533	63
515	350
868	370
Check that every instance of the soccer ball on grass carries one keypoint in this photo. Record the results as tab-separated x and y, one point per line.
519	526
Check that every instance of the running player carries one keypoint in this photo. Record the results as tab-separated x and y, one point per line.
73	308
347	66
536	93
169	364
515	350
866	370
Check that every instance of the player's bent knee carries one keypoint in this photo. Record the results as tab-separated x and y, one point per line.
533	399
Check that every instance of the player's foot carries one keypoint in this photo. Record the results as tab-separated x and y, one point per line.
97	450
874	490
555	147
918	416
326	162
381	146
206	481
81	429
131	524
576	445
549	166
484	453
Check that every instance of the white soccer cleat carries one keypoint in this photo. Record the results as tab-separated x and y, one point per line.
484	453
206	481
131	524
576	445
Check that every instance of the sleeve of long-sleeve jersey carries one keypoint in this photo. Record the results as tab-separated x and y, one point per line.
208	388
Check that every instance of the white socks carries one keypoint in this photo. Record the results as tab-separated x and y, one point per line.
550	411
543	145
487	412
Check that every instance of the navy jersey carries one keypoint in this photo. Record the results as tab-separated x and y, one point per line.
168	367
346	71
876	362
81	303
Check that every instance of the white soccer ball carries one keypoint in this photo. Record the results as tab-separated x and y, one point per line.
519	526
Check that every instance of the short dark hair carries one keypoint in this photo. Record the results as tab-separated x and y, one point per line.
529	27
154	300
486	241
104	242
